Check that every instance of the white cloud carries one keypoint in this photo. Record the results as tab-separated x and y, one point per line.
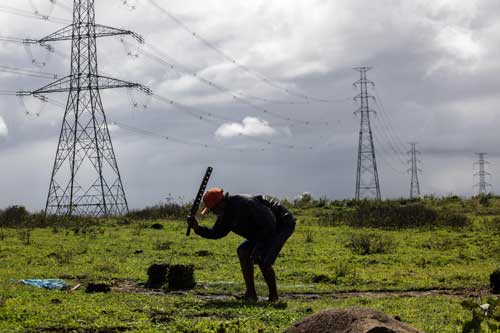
3	128
249	127
459	44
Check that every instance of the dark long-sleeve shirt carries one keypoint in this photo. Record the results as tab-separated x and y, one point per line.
252	217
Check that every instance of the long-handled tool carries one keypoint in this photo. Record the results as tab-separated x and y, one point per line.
199	196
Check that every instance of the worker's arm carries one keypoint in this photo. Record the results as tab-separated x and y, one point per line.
219	230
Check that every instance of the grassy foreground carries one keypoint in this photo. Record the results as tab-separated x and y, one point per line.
316	260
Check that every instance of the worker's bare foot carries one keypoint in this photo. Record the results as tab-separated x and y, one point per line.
250	298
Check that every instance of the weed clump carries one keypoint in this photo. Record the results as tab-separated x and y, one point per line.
364	243
322	278
24	236
162	245
492	225
203	253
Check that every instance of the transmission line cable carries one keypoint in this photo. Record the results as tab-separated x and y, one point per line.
396	152
384	113
183	141
177	140
258	75
29	14
28	72
183	70
385	155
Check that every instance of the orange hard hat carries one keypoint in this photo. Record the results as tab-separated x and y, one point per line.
211	198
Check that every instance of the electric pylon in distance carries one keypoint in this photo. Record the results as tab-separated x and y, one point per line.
414	171
482	184
367	181
85	177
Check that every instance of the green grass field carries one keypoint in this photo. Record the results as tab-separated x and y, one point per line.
322	261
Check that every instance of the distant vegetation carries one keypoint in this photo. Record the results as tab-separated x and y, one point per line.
451	211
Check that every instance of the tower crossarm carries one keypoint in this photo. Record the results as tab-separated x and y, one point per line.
66	33
95	82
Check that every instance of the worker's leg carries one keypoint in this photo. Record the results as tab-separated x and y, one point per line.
270	278
272	250
246	263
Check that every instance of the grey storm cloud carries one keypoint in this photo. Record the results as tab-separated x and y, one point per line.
434	65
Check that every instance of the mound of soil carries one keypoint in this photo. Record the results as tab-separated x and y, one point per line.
350	320
157	226
181	277
495	281
171	277
98	288
157	276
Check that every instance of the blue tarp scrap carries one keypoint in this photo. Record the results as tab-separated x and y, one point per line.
46	283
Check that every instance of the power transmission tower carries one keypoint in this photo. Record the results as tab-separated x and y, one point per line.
482	184
414	170
85	177
367	182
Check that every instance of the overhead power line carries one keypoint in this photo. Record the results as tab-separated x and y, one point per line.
256	74
238	97
176	140
28	72
268	145
386	117
29	14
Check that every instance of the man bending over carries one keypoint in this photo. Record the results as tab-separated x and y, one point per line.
261	220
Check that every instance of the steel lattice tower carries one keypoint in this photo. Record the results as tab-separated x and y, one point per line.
482	184
367	182
85	178
414	170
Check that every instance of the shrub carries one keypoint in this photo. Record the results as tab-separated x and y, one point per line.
397	214
452	219
364	243
14	216
391	215
333	217
168	210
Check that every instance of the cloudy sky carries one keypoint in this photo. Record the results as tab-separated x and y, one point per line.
434	62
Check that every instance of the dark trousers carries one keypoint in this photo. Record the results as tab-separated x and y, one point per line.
265	252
